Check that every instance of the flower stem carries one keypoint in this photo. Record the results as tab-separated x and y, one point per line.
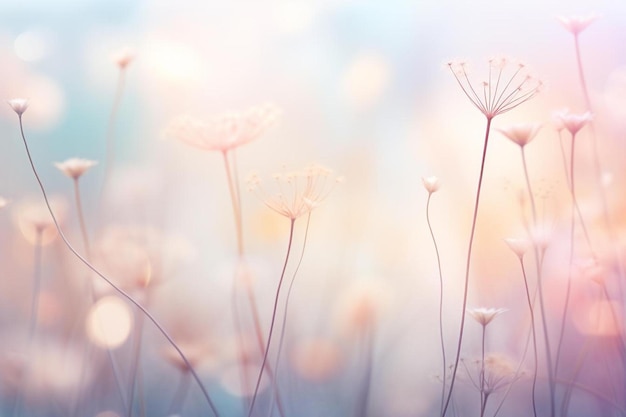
236	203
467	269
368	340
274	312
109	282
109	161
483	392
181	393
441	338
135	360
534	335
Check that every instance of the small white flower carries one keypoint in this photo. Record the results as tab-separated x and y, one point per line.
521	133
431	184
19	105
75	167
484	315
518	246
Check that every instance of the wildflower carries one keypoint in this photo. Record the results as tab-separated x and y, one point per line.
574	122
521	133
75	167
19	105
483	315
3	202
431	184
225	131
576	24
299	191
518	246
499	373
123	57
508	85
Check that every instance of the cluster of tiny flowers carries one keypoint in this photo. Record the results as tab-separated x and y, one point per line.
298	192
225	131
507	86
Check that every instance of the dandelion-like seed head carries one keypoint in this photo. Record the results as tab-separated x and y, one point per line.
297	192
500	371
484	315
225	131
75	167
124	57
19	105
576	24
521	133
431	184
573	122
518	246
507	85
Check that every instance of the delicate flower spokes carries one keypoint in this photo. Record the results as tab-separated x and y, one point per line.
503	90
576	24
299	192
431	184
75	167
484	315
225	131
521	133
19	105
499	372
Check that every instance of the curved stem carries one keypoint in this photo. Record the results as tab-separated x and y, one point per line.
467	270
571	258
109	282
274	311
441	338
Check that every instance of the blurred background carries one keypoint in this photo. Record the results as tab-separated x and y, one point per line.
365	90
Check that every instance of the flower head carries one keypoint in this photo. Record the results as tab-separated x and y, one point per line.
574	122
507	86
19	105
3	202
75	167
299	192
123	57
518	246
521	133
225	131
576	24
483	315
431	184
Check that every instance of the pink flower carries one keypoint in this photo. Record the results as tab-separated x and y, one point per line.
75	167
574	122
521	133
483	315
123	57
225	131
518	246
431	184
576	24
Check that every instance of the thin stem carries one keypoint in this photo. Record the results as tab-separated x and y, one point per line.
81	218
109	282
534	334
109	161
483	393
441	338
234	197
288	297
571	258
467	269
34	309
274	311
599	395
135	360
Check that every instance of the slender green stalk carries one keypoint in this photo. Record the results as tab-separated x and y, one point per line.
274	312
467	269
441	338
120	291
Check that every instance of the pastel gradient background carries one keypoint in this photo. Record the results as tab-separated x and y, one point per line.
364	89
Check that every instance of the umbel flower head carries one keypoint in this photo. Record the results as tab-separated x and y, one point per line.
483	315
507	86
576	24
75	167
19	105
299	192
521	133
225	131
